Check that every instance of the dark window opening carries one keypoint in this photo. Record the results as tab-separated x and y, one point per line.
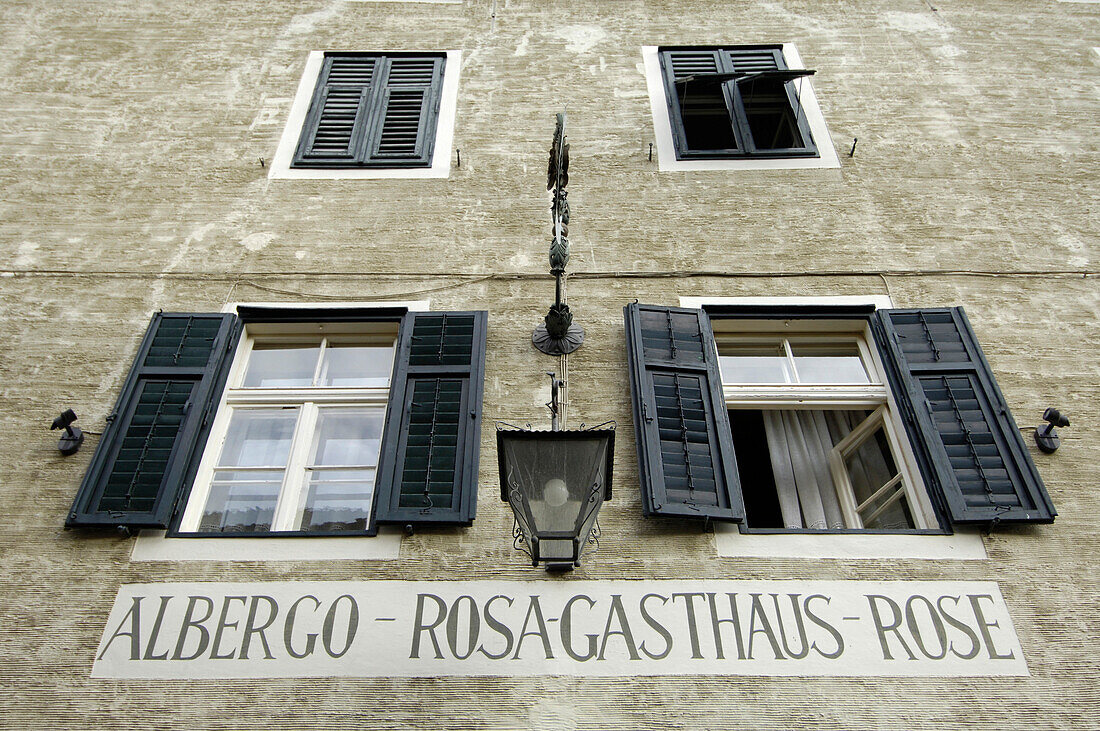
706	117
771	119
755	470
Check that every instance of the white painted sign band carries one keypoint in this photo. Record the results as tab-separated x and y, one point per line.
578	628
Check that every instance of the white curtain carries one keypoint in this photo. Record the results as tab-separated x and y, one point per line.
799	443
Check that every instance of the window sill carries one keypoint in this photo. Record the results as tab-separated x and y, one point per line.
154	546
732	543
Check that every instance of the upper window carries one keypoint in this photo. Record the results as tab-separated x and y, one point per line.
739	101
367	114
735	108
293	421
839	418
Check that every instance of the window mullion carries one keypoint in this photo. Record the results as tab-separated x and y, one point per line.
290	496
738	120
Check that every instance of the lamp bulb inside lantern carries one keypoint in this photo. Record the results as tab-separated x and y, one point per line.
555	492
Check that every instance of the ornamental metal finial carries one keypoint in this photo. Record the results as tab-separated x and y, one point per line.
558	335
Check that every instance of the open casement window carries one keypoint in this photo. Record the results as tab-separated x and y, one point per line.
847	419
373	110
739	101
309	414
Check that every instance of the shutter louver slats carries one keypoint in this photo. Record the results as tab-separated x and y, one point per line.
373	111
971	448
145	456
686	458
750	61
428	471
689	63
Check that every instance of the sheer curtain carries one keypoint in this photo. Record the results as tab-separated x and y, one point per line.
799	443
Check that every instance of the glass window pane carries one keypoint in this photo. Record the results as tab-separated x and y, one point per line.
337	500
347	436
354	366
829	363
241	501
754	363
871	466
281	366
258	438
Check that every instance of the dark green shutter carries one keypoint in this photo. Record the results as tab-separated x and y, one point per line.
685	449
428	468
972	451
144	458
371	110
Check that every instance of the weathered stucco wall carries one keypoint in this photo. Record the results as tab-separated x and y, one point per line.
133	133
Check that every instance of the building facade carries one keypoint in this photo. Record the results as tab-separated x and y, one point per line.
284	263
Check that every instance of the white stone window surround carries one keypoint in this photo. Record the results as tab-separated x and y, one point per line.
280	168
153	545
662	127
730	542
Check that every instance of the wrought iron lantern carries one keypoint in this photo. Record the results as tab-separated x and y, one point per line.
555	482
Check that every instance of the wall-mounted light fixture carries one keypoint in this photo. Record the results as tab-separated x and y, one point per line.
72	438
1048	439
555	481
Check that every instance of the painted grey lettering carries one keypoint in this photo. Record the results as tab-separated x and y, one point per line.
796	606
975	644
250	627
693	628
224	625
882	629
330	622
474	623
656	626
837	637
288	628
419	627
716	625
915	631
765	628
133	616
151	647
984	625
189	622
499	627
567	630
616	610
534	609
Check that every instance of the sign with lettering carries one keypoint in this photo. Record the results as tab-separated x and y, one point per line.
434	628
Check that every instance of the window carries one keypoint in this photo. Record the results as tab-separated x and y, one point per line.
735	107
371	115
815	438
287	421
838	418
733	102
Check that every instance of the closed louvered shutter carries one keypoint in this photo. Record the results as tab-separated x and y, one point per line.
972	450
752	60
429	463
145	456
373	111
685	449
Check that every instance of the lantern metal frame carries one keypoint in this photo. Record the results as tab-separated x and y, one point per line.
525	537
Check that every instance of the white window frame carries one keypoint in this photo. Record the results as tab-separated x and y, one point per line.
662	126
874	395
280	168
154	545
730	541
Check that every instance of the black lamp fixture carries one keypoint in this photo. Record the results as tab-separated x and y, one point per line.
1048	439
72	438
555	481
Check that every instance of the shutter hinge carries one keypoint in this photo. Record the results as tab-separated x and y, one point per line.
645	413
111	417
473	414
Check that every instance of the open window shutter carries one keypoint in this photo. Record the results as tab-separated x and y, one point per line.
685	450
428	468
144	458
336	124
973	450
403	130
